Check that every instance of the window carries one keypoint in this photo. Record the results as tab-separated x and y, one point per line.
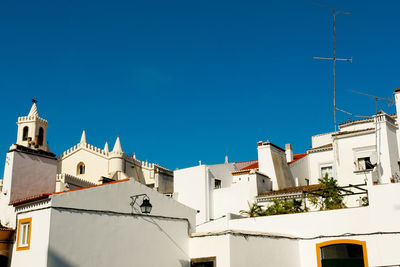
81	168
326	170
364	164
41	136
25	133
203	262
24	234
217	184
342	253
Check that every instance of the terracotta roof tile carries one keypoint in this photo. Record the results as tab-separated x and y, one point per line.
43	196
29	199
243	164
296	157
251	166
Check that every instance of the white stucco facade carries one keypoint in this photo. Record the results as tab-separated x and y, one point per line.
92	164
97	227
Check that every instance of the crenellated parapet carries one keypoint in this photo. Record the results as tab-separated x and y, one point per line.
146	164
63	181
85	146
32	118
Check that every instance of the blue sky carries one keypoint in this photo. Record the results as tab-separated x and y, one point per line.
183	81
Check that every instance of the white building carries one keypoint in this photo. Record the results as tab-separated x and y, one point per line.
347	155
31	169
92	164
97	226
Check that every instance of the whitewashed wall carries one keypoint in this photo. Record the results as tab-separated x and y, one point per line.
348	149
321	140
383	215
37	253
237	251
97	239
192	187
300	170
316	160
116	197
95	165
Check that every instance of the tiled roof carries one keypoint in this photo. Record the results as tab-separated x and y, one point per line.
251	166
350	132
296	157
29	199
320	148
291	190
243	164
43	196
352	122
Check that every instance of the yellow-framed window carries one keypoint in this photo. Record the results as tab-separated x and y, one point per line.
342	252
24	234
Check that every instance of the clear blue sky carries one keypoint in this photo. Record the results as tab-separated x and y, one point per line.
182	81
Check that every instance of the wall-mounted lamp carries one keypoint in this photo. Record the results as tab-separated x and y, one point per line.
146	206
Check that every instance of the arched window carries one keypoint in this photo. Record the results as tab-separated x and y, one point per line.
40	138
80	169
342	252
25	133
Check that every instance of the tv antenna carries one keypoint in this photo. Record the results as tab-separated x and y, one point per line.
377	98
334	58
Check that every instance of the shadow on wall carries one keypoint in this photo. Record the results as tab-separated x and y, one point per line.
184	263
152	221
54	260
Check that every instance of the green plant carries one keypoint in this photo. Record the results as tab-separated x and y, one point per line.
329	196
254	210
285	207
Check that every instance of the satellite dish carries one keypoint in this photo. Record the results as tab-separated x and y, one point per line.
373	159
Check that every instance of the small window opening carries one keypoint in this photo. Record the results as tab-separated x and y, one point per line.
81	168
365	164
41	136
25	133
327	170
217	184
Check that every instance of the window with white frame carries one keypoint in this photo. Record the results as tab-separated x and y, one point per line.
327	170
24	233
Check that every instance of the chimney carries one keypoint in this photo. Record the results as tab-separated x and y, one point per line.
289	152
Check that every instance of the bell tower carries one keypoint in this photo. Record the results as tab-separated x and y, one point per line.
32	130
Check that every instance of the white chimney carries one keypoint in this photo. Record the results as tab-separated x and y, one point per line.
289	152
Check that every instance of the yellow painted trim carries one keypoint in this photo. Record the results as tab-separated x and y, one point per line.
342	241
20	221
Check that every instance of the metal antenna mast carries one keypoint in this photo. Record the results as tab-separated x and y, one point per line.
334	59
377	98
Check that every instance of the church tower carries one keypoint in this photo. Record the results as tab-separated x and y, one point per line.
32	131
30	169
